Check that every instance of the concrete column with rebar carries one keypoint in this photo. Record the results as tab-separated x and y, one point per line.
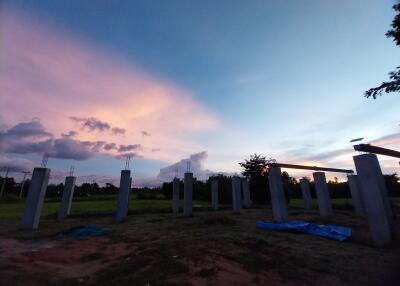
66	199
214	194
278	201
323	198
246	193
188	194
175	195
35	198
123	196
305	191
236	194
356	198
375	198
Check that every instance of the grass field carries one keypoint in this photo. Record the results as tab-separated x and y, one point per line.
210	248
14	209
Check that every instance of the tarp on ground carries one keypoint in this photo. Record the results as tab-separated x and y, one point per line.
82	232
337	232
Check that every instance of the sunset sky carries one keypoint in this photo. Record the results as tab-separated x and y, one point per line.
89	82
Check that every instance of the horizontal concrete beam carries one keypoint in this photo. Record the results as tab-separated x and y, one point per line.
313	168
376	150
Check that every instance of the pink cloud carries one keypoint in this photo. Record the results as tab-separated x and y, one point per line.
50	74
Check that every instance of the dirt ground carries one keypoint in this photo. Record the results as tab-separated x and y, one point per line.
210	248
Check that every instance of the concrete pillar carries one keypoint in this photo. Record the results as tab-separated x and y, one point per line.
356	199
130	193
188	194
236	194
305	191
123	195
278	201
323	198
35	198
375	197
175	195
214	194
246	193
67	195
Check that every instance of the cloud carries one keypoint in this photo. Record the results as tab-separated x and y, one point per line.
145	133
329	155
15	164
27	129
60	73
67	148
388	141
22	139
91	123
196	167
128	154
130	147
24	147
70	134
155	149
94	124
116	130
110	146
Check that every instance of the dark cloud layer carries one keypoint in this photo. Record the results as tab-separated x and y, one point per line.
32	138
24	147
27	129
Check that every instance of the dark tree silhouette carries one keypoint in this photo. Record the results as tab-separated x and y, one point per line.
256	169
255	166
394	84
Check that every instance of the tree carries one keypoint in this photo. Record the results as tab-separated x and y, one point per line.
394	84
224	187
256	169
393	184
255	166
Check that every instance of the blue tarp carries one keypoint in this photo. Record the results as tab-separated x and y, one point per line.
329	231
82	232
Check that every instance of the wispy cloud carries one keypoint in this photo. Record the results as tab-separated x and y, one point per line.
388	141
130	147
91	123
145	133
15	164
94	124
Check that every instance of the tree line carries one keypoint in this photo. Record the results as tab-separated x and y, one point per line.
255	169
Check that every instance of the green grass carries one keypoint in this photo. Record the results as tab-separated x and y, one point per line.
14	210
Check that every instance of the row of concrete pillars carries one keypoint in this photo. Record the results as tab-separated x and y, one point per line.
37	192
278	201
238	186
368	191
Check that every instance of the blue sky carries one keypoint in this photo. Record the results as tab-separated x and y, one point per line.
281	78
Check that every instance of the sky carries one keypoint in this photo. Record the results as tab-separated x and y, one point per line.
89	83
